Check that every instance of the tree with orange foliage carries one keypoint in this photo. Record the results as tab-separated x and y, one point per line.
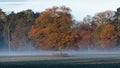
53	30
108	36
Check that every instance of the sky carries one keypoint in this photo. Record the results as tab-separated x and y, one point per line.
80	8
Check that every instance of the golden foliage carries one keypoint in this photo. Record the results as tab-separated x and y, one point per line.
108	38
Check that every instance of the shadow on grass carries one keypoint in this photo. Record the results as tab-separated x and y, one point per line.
42	65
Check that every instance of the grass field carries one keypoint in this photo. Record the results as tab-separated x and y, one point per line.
83	61
75	60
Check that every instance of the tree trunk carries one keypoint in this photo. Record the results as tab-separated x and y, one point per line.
9	37
60	50
25	40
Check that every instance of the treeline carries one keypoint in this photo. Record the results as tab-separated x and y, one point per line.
14	28
55	29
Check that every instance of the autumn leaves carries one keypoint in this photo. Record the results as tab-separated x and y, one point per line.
55	29
52	30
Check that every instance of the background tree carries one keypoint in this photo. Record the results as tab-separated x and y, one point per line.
3	21
97	33
53	30
86	36
101	19
23	23
108	38
9	28
116	23
117	18
104	17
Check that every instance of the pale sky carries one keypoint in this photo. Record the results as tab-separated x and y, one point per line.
80	8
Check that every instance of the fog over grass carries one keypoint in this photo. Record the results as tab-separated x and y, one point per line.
69	52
